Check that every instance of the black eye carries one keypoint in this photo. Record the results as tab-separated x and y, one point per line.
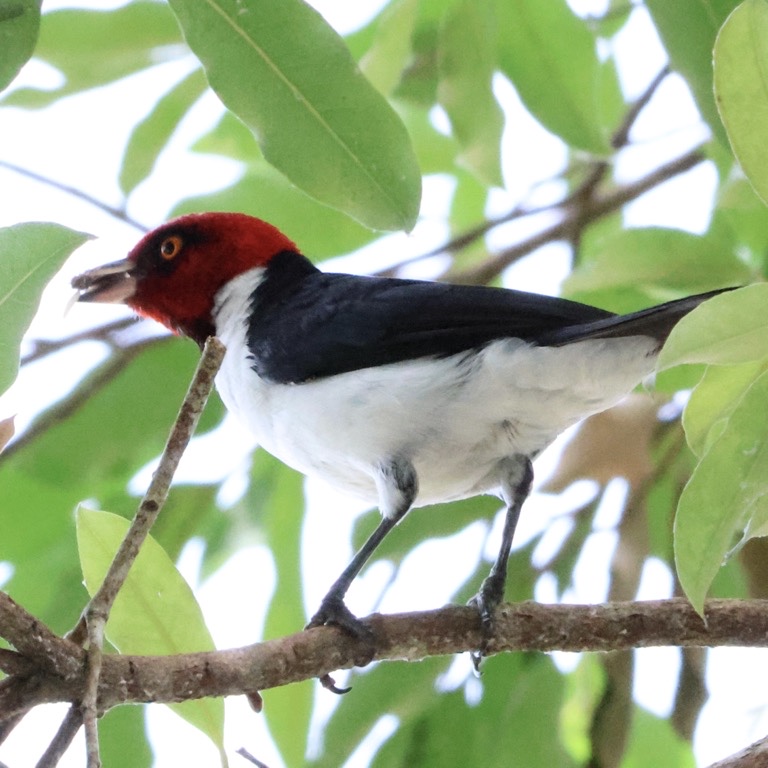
171	247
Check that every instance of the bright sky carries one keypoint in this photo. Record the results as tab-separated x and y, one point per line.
86	153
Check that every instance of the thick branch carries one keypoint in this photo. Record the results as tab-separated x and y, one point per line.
753	756
36	643
454	629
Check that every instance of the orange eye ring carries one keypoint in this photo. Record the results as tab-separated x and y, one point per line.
171	247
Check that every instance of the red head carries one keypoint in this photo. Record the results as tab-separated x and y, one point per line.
173	274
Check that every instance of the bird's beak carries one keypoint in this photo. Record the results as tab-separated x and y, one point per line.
113	283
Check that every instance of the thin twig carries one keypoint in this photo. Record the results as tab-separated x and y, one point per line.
43	347
157	493
483	273
90	704
63	738
243	752
118	213
65	408
579	200
469	236
621	135
97	612
619	139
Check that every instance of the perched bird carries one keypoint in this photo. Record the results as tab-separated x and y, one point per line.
400	392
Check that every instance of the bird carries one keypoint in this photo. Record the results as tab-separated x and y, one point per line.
402	393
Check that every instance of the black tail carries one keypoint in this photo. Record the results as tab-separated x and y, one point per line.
656	322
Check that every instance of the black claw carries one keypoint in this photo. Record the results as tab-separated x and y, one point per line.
486	601
330	685
334	612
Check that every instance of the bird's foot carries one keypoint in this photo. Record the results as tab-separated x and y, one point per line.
334	612
486	601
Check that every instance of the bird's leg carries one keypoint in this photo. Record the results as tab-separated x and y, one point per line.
397	485
332	609
515	490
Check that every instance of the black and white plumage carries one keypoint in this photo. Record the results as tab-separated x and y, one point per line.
403	393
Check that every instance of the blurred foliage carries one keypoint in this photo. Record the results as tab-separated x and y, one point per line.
330	157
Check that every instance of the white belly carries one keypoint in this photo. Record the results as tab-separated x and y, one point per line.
454	420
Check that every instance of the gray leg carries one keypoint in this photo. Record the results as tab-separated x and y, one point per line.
398	484
516	487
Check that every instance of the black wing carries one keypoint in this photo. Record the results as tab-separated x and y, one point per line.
306	324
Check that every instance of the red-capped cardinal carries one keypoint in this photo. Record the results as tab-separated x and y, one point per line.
400	392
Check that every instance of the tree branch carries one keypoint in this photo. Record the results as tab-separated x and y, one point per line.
63	738
313	653
98	609
753	756
597	207
36	643
118	213
99	378
584	191
106	333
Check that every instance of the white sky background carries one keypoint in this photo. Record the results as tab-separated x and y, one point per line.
85	153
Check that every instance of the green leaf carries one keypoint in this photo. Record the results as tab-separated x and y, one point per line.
549	55
466	63
399	688
388	54
436	151
120	427
725	330
317	119
19	25
663	263
230	138
151	135
30	255
519	694
743	212
713	400
612	107
741	87
422	524
189	511
727	495
651	736
688	29
418	83
583	689
36	535
91	48
155	612
319	231
118	728
107	437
